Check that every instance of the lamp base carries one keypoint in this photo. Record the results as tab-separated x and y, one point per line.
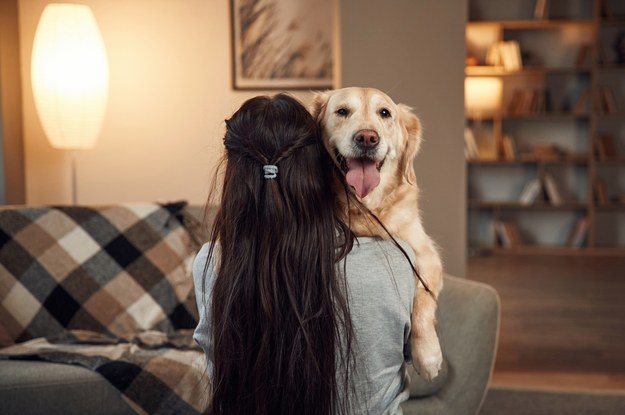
72	154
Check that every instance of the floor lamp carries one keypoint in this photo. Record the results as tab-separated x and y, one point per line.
70	77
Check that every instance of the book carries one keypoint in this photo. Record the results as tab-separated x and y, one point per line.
527	101
577	236
530	192
487	145
502	235
515	102
508	234
599	191
583	58
548	152
471	151
514	233
508	148
513	50
493	57
581	106
604	101
540	9
506	54
608	101
551	189
605	147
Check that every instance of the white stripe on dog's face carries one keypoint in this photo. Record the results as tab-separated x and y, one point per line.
351	110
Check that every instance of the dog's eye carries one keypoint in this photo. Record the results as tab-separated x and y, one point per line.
384	113
342	112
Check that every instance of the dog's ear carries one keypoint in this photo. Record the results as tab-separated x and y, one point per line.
319	104
411	128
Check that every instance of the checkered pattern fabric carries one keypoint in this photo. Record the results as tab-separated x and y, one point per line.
117	270
156	373
109	289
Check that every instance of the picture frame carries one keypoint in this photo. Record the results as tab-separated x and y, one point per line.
283	44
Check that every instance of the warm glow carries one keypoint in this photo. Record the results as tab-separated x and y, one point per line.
482	95
69	73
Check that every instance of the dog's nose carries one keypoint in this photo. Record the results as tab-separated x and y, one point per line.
367	138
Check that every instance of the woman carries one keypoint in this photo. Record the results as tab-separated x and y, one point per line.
296	315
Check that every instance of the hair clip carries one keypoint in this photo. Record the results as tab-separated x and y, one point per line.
271	171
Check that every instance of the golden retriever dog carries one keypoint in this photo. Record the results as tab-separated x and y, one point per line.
375	141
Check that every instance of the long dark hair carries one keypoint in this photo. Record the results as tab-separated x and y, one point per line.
281	327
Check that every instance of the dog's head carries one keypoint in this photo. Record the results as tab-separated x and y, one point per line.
373	139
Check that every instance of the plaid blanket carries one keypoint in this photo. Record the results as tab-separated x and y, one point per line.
108	288
156	373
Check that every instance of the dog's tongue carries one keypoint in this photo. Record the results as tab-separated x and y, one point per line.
362	175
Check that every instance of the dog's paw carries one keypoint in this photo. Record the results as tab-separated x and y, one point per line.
427	357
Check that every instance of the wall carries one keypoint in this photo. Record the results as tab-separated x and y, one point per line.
2	176
170	90
414	51
12	182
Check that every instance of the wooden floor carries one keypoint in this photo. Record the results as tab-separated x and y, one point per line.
562	320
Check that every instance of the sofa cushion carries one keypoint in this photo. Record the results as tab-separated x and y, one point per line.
117	270
52	388
156	373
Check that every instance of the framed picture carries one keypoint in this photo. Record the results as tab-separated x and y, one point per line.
283	44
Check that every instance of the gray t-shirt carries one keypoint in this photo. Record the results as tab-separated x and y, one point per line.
380	288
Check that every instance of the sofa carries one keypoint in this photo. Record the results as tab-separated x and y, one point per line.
97	311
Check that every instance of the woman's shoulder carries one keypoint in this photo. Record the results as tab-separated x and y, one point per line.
202	255
199	263
371	247
373	257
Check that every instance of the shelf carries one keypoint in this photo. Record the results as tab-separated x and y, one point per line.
530	24
611	161
547	116
542	116
568	62
614	116
612	21
611	67
551	250
611	207
537	249
569	160
483	70
537	206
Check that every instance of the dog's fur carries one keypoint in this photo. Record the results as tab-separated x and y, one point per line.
365	125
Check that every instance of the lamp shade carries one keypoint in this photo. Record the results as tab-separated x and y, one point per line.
482	95
70	77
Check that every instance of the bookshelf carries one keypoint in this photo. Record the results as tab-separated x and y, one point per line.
546	165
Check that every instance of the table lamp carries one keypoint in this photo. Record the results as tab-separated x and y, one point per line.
482	96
